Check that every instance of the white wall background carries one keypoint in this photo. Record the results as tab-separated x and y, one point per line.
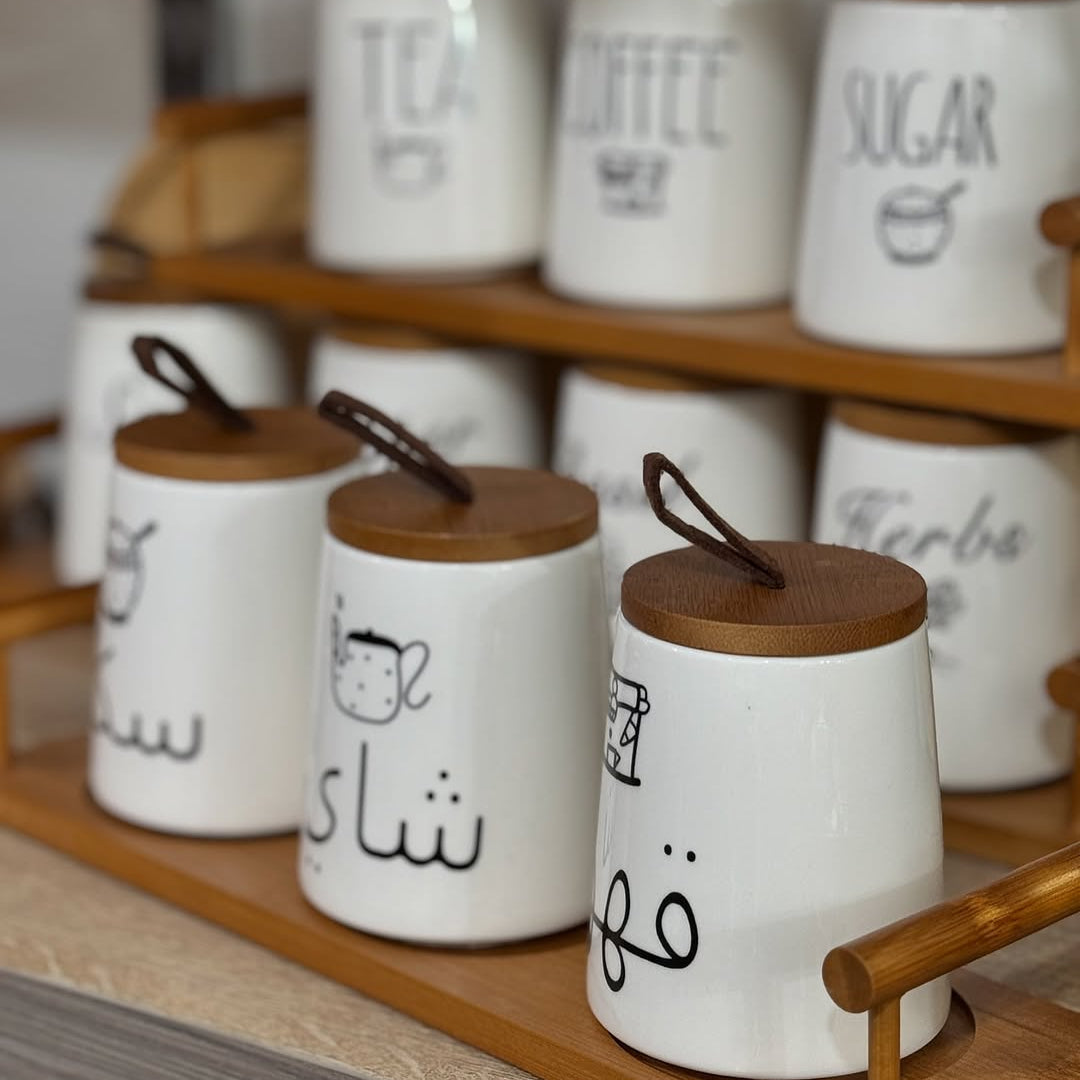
76	92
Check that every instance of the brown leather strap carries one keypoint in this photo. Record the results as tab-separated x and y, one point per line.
398	444
737	552
201	394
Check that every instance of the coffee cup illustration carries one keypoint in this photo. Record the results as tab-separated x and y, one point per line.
410	166
125	570
633	183
915	224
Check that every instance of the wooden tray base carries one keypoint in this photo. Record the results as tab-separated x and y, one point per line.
524	1003
1012	827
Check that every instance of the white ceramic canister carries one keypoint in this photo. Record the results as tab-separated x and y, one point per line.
678	152
744	447
989	514
205	620
105	390
471	404
460	685
942	130
770	792
430	133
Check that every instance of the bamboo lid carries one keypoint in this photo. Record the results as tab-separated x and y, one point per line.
646	378
515	514
193	446
386	336
835	600
937	428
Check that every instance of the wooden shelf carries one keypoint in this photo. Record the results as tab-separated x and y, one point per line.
761	346
523	1003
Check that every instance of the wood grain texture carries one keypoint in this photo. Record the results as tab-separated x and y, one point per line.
384	336
836	600
193	446
49	1031
883	1055
883	965
523	1003
936	428
639	377
760	346
515	514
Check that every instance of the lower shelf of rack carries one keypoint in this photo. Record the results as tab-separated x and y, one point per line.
1012	826
524	1003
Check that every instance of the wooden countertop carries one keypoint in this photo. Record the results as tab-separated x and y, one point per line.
66	922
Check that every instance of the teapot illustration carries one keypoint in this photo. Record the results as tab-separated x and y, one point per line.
125	570
373	676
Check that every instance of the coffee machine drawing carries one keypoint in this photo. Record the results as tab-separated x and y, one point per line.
628	703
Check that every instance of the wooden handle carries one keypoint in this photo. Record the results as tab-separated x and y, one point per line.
198	119
884	965
1060	222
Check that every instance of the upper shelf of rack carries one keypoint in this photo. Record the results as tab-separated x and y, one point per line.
760	346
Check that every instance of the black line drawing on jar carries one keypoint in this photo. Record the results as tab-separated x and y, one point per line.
125	570
914	224
441	789
320	836
614	946
633	183
410	166
628	702
372	676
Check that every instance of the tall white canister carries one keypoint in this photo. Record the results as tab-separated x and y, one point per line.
941	131
678	150
206	611
989	514
742	445
430	134
472	404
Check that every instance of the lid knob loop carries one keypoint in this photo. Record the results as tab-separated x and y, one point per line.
397	443
201	394
738	551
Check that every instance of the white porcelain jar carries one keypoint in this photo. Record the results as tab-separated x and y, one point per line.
762	800
430	132
743	447
989	514
459	693
205	617
105	391
471	404
942	130
678	152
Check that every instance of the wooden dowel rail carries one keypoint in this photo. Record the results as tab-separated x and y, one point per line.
1063	685
1060	224
28	618
888	963
12	438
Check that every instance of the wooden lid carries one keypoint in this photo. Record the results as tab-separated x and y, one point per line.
938	428
836	600
193	446
646	378
515	513
386	336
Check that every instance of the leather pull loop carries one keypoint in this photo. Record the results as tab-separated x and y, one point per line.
738	552
397	443
201	394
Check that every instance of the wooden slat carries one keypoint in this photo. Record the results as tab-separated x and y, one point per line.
760	346
197	119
